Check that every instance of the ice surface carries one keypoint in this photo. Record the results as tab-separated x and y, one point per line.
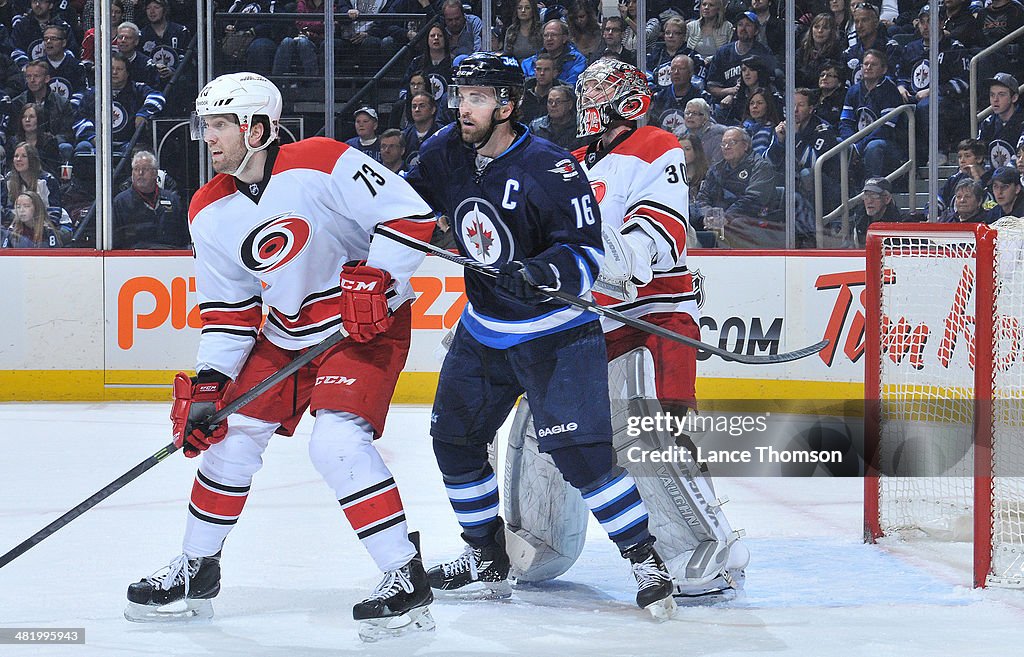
293	568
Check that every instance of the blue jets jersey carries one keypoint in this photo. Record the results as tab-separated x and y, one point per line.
532	201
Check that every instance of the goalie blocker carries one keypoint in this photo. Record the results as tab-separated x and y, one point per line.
546	518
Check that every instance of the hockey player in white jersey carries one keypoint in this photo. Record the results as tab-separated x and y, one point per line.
638	178
275	229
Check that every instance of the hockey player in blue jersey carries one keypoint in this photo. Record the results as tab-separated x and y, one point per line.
524	206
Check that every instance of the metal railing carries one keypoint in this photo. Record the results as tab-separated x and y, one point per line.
973	77
842	149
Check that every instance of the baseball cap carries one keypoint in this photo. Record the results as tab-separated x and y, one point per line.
750	16
369	111
925	10
1004	79
877	185
1005	175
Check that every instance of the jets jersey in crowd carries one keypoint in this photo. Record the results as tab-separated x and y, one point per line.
317	189
1003	137
532	201
954	68
640	185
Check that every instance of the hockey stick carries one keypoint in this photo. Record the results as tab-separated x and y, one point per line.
169	449
611	313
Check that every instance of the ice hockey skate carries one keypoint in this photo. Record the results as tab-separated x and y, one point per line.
183	590
653	580
479	573
726	586
399	603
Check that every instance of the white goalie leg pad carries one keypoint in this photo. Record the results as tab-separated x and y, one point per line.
695	539
545	517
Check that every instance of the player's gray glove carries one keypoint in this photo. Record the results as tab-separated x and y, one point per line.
519	280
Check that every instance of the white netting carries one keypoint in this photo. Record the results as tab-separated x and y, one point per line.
1008	404
926	450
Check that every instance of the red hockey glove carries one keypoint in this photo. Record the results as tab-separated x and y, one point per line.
364	302
195	400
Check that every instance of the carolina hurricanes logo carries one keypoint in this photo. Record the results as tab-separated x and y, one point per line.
599	189
633	107
275	242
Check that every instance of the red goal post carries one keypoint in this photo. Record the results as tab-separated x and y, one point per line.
944	389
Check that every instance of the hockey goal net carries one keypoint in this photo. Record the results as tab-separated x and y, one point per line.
944	382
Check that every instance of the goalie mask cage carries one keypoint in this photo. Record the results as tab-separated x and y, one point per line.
944	389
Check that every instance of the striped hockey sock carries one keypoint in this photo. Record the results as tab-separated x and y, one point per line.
213	510
617	506
476	505
378	518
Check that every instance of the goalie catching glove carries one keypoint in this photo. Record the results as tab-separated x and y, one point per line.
627	263
196	399
364	301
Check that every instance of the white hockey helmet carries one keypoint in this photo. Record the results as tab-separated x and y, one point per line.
609	90
246	95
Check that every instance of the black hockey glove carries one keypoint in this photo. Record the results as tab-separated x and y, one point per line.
519	281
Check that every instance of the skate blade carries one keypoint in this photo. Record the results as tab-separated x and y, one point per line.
663	609
182	610
691	598
415	620
479	591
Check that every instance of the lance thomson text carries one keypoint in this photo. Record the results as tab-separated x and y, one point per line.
758	454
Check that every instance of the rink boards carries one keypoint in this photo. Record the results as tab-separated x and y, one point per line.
81	326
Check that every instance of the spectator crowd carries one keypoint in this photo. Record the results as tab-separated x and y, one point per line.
715	69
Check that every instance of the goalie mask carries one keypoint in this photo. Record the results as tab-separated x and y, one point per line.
609	91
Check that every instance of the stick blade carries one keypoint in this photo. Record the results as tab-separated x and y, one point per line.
786	357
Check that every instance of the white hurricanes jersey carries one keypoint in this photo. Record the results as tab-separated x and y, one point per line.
640	185
282	243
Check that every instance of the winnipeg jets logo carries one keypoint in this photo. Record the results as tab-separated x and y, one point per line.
481	238
61	87
480	230
165	57
865	117
921	76
671	120
118	117
1000	152
565	167
438	87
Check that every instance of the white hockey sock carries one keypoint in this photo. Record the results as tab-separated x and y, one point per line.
341	448
222	484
